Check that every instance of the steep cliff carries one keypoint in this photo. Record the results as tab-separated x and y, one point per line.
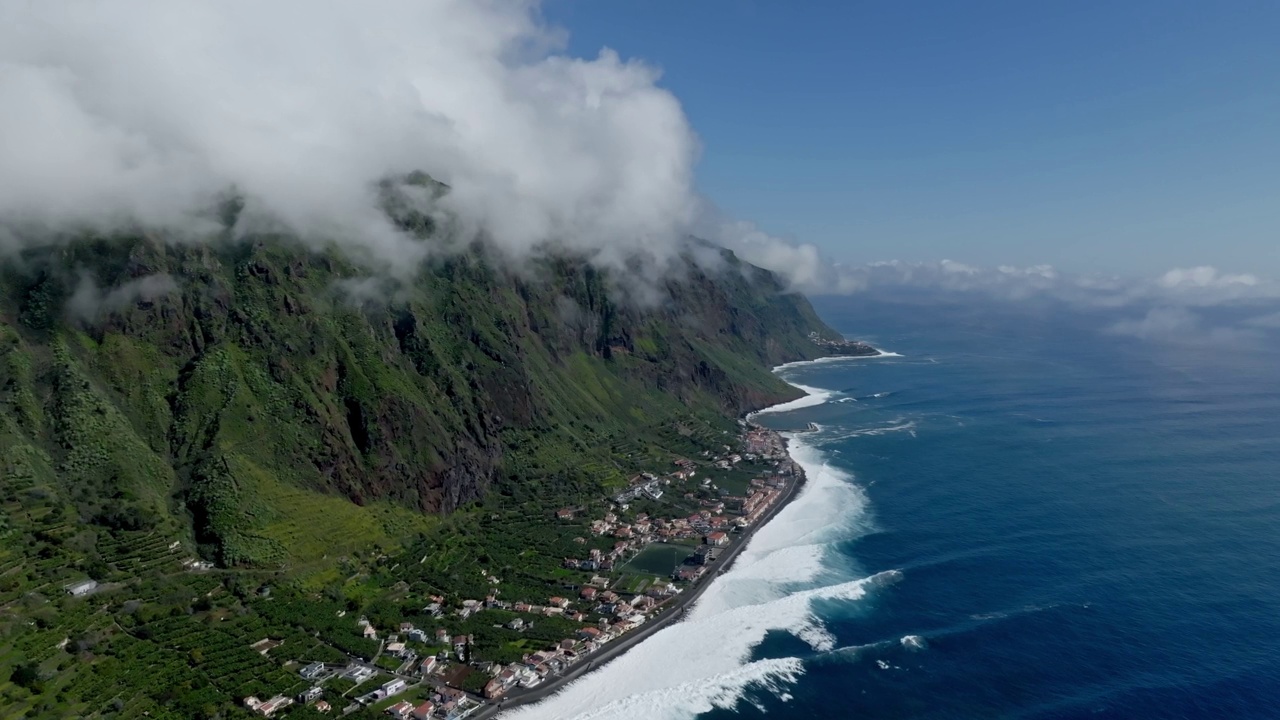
236	393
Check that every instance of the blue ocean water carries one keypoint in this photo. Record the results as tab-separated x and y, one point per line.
1084	524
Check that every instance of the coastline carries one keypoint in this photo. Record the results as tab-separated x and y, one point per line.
678	610
673	614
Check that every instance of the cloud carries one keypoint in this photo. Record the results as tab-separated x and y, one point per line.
145	110
1205	276
88	302
1159	323
801	265
1195	287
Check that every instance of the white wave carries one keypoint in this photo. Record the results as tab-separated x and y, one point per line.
704	662
814	396
907	426
837	358
913	642
703	695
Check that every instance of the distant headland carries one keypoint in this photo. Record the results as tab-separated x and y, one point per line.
855	348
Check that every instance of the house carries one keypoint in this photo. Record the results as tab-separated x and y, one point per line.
688	573
564	514
589	633
428	665
269	708
393	687
322	706
516	624
311	671
311	694
588	593
396	648
82	588
417	635
494	688
442	635
423	711
558	602
370	632
717	539
400	710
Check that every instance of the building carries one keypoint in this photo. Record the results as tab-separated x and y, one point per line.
312	671
269	707
311	694
400	710
428	665
82	588
423	711
322	706
717	539
393	687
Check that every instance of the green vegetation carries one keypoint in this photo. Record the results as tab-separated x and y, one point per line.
332	452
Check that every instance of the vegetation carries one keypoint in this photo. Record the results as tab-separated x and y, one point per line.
332	452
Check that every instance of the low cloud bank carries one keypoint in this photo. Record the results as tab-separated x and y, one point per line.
147	111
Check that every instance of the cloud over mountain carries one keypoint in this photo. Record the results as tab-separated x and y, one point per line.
145	110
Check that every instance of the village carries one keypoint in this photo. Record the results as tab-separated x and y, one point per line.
699	513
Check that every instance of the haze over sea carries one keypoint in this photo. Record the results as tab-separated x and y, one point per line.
1022	514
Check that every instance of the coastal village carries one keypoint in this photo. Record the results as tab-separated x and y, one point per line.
646	551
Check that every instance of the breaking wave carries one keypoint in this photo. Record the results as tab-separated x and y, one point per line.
837	358
814	396
705	661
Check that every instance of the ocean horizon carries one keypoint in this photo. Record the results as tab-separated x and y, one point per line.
1007	514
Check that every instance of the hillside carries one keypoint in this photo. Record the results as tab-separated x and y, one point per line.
271	409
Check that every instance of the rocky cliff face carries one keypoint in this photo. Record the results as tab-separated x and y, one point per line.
170	385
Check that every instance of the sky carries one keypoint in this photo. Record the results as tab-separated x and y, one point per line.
1015	146
1096	137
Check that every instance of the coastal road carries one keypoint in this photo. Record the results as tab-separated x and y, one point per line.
673	613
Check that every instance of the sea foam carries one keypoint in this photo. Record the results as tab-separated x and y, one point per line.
705	661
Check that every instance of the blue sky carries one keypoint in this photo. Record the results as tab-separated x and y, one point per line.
1116	137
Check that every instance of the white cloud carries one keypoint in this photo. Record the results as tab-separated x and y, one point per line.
89	302
142	110
1205	276
1160	323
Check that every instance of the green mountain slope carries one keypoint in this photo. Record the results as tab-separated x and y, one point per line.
256	375
273	410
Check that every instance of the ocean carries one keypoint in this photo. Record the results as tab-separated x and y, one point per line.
1021	513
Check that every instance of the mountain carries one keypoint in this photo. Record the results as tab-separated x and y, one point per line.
270	408
216	379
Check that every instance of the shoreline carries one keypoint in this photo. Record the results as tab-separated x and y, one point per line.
674	613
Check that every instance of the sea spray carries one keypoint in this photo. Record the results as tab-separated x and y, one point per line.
705	661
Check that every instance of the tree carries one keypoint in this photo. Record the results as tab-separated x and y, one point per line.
27	675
